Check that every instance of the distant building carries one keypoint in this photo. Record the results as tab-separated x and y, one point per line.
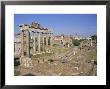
63	40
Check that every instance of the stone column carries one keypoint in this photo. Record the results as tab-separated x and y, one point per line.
22	43
39	42
28	43
51	40
34	44
46	39
91	41
68	45
43	41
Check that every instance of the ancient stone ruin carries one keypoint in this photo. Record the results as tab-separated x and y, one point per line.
34	41
41	37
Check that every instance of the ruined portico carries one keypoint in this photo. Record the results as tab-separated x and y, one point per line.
39	36
42	36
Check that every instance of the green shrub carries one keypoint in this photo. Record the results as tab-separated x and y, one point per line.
55	45
76	42
94	37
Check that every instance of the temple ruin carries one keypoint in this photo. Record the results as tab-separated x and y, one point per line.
34	40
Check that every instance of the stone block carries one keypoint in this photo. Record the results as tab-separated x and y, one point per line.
26	62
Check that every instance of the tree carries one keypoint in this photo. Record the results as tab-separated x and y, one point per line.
94	37
76	42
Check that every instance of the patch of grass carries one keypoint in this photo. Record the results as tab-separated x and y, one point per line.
60	49
41	55
55	45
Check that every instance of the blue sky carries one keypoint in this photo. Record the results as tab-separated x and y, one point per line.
69	24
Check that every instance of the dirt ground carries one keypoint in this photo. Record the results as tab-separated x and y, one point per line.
73	61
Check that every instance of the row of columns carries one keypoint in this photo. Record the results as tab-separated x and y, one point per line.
45	37
36	34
